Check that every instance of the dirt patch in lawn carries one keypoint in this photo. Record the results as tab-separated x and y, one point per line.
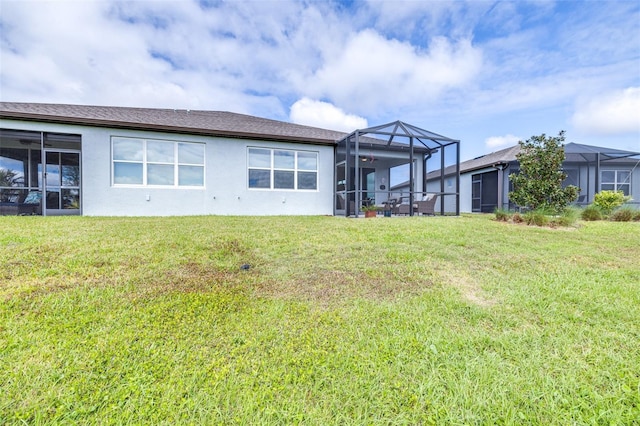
326	287
469	288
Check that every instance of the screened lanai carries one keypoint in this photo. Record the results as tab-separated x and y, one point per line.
596	168
372	164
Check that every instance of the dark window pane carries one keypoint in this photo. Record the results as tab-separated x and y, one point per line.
608	176
259	178
624	176
283	180
626	188
307	180
70	199
53	199
572	178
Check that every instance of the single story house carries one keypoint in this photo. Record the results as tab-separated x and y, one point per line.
58	159
485	184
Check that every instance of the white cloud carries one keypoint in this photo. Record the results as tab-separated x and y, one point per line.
497	141
325	115
610	113
373	74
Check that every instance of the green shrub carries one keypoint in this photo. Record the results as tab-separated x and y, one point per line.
636	216
609	200
502	215
538	183
569	216
517	218
536	217
623	214
592	212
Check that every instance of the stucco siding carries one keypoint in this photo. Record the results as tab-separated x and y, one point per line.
225	190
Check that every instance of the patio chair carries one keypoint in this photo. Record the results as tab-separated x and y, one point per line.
427	206
402	209
403	206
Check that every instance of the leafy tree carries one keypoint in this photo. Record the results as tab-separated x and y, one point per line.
539	183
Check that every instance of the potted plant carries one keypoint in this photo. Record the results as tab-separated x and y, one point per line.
370	210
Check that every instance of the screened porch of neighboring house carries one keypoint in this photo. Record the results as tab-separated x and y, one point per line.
594	169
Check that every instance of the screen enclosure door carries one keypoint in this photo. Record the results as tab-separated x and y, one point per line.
62	183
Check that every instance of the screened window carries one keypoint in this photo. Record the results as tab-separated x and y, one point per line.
282	169
616	180
157	162
573	178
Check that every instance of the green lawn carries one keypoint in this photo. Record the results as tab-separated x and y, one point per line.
424	320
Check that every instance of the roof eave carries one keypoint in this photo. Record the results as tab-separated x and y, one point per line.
160	127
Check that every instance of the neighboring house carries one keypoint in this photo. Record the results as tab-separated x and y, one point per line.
485	184
93	160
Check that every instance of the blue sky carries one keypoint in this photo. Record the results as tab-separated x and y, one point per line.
487	73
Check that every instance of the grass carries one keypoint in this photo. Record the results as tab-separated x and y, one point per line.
445	320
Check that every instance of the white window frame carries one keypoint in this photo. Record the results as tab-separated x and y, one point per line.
616	183
145	162
272	169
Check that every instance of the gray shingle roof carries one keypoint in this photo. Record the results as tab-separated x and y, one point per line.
503	156
214	123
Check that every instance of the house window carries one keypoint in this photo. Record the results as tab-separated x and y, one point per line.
282	169
157	162
616	180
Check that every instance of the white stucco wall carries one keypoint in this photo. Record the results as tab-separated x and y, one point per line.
433	186
465	193
225	191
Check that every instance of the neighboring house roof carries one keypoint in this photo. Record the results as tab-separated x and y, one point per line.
506	155
211	123
579	152
574	152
